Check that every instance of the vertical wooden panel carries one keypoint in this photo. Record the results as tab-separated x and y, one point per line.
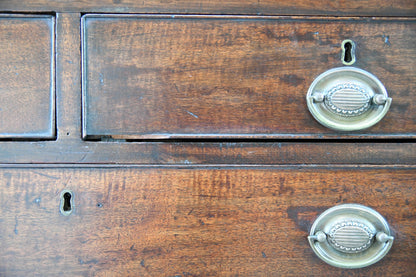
68	80
27	82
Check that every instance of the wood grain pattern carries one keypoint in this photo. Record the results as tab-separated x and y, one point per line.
192	222
70	148
27	101
206	214
68	79
226	77
254	7
206	153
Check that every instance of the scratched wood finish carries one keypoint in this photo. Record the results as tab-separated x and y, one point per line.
154	77
192	222
208	153
27	77
70	148
68	80
200	220
281	7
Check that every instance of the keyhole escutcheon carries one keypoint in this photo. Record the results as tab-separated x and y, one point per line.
348	52
67	202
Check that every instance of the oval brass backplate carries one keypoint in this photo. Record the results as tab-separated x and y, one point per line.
350	236
347	99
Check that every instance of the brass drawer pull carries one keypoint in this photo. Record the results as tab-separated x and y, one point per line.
347	99
350	236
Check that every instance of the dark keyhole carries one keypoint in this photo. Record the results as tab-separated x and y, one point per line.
348	55
348	52
67	202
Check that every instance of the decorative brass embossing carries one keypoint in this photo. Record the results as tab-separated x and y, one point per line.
347	100
350	236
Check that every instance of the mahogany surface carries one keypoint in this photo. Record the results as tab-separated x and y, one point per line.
253	7
226	77
164	221
27	98
205	204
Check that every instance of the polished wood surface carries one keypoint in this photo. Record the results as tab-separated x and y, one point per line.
141	221
70	148
208	153
204	207
27	101
254	7
151	77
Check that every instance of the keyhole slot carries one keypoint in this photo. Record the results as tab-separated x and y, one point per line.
348	52
347	56
67	199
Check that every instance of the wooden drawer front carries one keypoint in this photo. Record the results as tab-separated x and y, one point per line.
27	101
206	76
133	221
255	7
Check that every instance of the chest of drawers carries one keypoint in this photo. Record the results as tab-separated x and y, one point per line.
173	138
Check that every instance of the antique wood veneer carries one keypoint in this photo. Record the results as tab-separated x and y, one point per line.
173	138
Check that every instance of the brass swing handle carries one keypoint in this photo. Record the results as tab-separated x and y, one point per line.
347	99
350	236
